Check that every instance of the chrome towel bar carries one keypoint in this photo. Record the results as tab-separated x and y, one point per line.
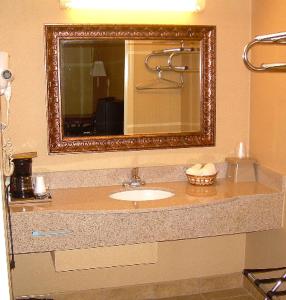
274	38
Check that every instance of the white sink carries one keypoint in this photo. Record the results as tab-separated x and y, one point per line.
142	195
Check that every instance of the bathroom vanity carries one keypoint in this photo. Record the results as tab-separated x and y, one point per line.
87	217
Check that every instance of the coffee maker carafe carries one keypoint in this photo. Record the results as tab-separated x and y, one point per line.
21	184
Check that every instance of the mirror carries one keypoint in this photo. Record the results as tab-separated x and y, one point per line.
130	87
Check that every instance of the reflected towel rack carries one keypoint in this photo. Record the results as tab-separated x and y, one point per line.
273	38
170	53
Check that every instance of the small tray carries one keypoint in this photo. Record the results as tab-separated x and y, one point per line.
201	180
15	201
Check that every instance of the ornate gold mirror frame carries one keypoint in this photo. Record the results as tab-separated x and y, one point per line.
58	143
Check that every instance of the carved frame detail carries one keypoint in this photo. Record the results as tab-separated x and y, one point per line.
60	144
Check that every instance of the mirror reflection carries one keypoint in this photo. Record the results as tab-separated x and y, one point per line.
127	87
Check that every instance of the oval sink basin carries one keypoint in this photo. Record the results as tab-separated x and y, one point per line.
142	195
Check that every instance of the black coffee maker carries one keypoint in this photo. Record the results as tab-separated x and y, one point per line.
21	184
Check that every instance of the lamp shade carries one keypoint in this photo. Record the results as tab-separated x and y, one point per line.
98	69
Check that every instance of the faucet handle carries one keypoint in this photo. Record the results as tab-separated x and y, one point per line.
125	184
135	180
134	173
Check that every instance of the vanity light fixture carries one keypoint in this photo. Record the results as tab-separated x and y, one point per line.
146	5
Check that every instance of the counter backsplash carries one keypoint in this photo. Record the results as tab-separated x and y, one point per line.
106	177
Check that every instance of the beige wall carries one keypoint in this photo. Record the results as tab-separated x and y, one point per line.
35	273
21	24
268	105
268	126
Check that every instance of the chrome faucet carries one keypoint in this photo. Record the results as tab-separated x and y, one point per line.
135	180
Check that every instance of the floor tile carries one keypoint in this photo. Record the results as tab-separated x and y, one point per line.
225	294
248	297
142	293
176	289
218	283
187	297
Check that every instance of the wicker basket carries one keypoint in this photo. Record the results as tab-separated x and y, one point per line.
202	180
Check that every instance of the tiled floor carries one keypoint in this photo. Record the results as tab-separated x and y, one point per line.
231	294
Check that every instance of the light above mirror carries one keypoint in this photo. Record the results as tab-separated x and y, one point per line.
146	5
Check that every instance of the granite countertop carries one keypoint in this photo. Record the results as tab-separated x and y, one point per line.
87	217
95	199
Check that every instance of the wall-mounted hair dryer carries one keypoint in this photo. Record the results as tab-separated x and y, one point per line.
5	74
5	84
6	91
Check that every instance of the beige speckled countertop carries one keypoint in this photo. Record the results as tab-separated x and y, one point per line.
88	217
91	199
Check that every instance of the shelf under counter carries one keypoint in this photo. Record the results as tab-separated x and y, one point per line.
87	217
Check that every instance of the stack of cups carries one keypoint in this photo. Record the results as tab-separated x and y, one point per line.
241	150
40	187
